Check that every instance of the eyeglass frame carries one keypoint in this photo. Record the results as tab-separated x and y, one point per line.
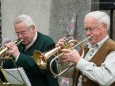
23	32
91	29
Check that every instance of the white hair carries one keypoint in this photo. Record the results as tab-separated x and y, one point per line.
24	18
102	17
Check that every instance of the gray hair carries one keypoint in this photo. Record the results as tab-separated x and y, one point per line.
24	18
102	17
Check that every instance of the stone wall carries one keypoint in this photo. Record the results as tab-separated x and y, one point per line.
60	17
39	10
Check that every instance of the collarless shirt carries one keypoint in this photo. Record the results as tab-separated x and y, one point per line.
93	49
89	69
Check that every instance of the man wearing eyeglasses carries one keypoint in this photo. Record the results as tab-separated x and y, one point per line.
96	68
33	40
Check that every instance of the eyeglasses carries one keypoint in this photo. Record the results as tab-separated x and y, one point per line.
91	29
23	32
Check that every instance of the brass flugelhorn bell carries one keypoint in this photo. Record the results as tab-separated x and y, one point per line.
3	51
41	58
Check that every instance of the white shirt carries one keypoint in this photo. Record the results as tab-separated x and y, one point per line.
35	37
103	75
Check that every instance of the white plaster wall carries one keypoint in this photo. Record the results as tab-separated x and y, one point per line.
39	10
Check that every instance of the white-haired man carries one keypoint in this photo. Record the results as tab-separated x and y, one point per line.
33	40
96	68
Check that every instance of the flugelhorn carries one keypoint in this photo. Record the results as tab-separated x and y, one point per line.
3	51
41	58
69	65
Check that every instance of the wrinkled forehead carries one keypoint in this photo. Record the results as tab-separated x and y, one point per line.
90	21
20	26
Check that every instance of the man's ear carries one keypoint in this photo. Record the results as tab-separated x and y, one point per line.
32	27
104	27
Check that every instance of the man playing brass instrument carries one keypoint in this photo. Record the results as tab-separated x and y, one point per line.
96	68
33	40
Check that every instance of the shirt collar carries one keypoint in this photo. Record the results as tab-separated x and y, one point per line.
35	37
99	44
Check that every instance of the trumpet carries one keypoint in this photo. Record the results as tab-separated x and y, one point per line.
3	51
69	65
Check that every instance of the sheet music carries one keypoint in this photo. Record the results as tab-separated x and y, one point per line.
13	76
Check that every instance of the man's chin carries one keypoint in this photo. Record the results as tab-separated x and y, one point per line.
90	41
24	43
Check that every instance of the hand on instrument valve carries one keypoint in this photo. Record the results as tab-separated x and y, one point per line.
61	42
69	55
12	49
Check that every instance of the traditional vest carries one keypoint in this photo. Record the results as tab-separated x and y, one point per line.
98	59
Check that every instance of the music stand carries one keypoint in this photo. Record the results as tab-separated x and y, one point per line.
6	83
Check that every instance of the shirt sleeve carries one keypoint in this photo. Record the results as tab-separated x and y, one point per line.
103	75
17	57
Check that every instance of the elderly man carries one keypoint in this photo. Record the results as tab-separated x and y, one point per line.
22	54
96	67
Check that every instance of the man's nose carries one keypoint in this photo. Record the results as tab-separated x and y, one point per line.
20	36
88	32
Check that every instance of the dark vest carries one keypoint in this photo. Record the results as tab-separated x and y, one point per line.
98	59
